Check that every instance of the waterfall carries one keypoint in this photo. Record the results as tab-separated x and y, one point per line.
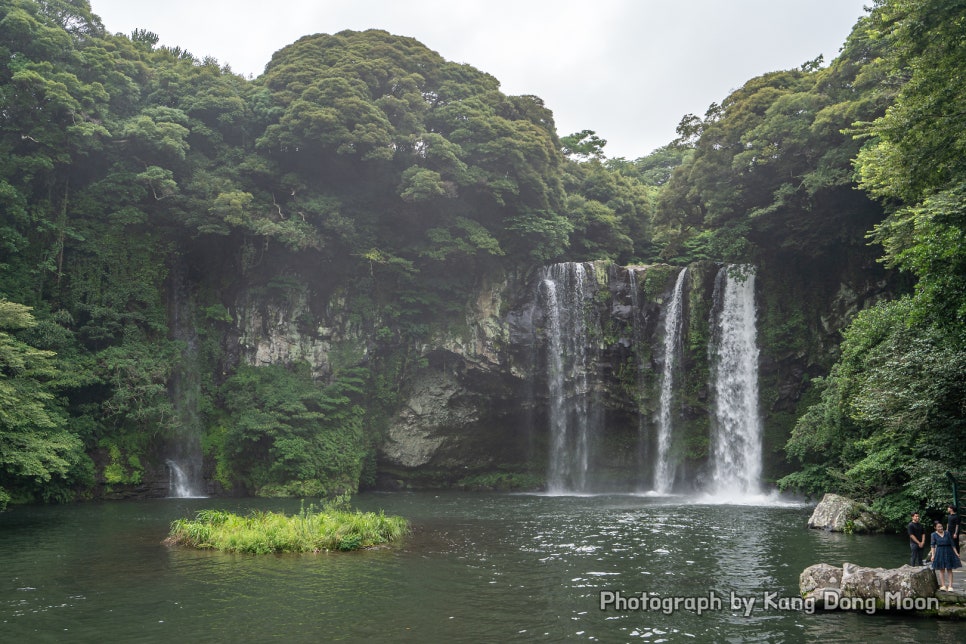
579	349
573	412
673	321
184	445
736	425
179	483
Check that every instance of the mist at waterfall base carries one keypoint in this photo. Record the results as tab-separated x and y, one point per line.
575	412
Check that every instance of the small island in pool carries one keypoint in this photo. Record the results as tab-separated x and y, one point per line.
311	530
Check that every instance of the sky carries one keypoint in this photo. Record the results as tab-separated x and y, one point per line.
627	69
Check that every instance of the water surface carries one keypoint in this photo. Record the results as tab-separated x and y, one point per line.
477	567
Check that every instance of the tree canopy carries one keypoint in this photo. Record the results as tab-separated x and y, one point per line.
891	416
124	164
400	179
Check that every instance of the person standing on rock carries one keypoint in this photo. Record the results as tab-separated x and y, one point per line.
944	559
952	527
917	540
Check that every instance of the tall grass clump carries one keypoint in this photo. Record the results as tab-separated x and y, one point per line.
334	527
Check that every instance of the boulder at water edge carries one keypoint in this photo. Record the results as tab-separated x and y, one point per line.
837	513
821	575
882	585
909	581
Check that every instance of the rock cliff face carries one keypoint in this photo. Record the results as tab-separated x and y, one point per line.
476	395
285	325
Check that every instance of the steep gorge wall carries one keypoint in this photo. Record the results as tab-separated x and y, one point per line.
473	397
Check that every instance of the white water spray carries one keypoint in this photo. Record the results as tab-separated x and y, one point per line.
736	425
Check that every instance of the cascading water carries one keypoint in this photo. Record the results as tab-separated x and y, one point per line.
184	448
673	321
567	304
736	424
179	483
573	414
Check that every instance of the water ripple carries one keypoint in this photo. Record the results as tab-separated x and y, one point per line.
475	568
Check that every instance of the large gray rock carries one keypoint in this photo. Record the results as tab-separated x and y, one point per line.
878	587
434	414
837	513
821	575
909	581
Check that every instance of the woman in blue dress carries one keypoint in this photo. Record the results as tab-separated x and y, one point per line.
943	557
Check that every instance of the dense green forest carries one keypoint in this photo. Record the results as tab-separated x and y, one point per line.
399	178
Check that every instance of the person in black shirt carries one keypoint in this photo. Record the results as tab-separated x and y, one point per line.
917	539
952	527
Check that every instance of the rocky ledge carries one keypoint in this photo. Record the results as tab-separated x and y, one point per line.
869	590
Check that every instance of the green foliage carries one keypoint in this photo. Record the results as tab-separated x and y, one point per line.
609	212
271	532
464	157
38	453
117	471
897	507
890	421
768	172
655	169
138	373
284	435
913	161
544	233
890	417
583	145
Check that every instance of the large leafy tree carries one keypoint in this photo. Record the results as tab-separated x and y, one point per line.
770	173
890	419
37	451
443	166
608	205
915	161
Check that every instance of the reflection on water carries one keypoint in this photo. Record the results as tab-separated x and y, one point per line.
477	567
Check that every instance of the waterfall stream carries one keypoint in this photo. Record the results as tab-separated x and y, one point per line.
573	413
736	424
673	320
184	458
179	482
